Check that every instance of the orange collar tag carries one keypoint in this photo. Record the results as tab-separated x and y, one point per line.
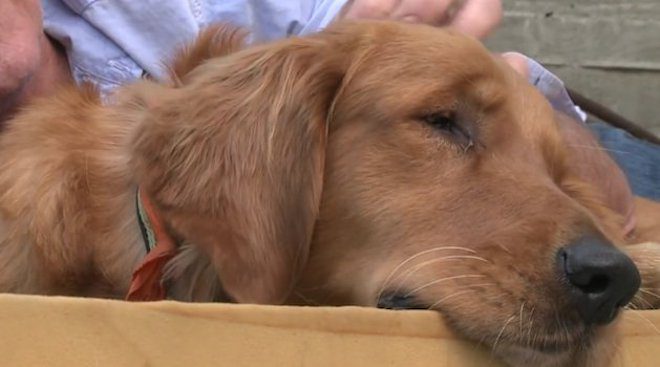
146	284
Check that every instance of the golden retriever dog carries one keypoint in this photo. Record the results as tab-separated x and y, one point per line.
375	164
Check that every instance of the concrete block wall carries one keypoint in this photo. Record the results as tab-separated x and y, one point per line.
607	50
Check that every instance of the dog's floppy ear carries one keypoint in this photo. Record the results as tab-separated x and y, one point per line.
233	159
215	41
589	161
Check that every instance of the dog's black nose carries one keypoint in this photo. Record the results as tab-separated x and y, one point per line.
601	278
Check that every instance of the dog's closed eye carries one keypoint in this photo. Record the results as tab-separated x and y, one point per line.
448	123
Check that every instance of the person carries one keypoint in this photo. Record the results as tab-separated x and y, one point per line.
112	43
30	63
49	43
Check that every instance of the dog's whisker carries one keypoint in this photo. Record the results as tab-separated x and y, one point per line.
567	334
463	290
481	342
437	281
520	317
599	148
411	270
458	293
506	249
474	285
501	333
645	319
531	326
643	303
433	305
560	324
646	291
415	256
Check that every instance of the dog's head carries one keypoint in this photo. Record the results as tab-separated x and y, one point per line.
388	165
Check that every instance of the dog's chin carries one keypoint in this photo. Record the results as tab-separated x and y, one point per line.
573	344
520	356
581	347
594	347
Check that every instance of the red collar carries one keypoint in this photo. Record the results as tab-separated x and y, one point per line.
147	284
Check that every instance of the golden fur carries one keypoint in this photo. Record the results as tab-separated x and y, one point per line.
302	172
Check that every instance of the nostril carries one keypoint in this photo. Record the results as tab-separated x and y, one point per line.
590	283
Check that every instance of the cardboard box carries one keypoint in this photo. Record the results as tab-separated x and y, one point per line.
57	331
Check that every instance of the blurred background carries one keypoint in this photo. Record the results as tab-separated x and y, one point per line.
608	50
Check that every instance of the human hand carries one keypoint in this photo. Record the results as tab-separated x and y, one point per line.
477	18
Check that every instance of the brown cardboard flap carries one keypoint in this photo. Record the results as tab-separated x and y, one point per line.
58	331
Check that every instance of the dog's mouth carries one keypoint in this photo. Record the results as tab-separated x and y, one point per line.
401	301
534	340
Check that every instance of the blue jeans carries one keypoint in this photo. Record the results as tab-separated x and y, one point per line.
639	159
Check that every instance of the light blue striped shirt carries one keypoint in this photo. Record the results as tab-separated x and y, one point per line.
112	42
